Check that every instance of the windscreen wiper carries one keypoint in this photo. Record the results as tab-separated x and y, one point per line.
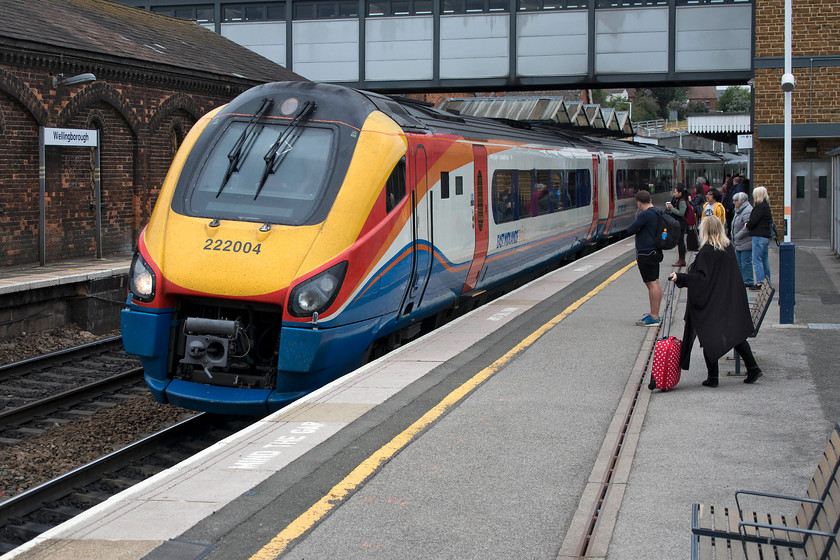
286	141
243	144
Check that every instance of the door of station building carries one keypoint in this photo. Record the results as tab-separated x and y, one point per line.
811	199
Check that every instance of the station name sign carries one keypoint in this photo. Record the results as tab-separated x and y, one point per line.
70	137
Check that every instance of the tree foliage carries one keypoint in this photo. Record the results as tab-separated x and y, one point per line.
735	99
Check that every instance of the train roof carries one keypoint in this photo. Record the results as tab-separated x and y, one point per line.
420	116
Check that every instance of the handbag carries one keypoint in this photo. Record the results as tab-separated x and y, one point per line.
692	242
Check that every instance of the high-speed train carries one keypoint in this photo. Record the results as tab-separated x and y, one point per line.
303	227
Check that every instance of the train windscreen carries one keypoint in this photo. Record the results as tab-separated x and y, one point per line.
267	173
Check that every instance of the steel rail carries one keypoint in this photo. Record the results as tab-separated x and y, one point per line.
24	366
71	396
32	499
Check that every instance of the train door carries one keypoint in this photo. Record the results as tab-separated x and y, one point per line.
479	212
610	194
594	189
422	232
810	204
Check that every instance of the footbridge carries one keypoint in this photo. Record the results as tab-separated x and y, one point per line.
450	45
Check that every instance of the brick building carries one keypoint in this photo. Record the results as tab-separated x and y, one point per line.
815	113
155	76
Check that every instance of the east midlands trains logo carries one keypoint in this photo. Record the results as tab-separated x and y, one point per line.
509	238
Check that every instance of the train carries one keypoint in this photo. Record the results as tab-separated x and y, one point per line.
304	228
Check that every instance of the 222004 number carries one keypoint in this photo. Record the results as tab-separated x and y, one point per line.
231	246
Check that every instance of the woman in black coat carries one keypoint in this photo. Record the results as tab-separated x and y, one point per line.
717	311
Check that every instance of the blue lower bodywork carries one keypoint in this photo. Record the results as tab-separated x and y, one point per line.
309	358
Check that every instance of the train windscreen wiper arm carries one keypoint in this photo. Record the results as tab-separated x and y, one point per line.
286	140
243	143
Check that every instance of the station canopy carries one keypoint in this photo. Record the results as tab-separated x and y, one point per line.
590	118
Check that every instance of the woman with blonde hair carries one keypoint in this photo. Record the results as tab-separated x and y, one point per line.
717	311
759	227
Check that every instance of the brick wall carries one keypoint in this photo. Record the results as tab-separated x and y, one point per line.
141	117
816	98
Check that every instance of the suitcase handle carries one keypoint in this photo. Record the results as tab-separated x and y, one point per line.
668	313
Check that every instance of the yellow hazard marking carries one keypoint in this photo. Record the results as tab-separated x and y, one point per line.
369	466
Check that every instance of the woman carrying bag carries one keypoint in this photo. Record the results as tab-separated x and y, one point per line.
717	311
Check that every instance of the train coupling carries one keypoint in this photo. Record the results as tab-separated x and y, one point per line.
209	342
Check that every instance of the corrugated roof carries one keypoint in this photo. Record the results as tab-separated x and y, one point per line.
543	108
106	28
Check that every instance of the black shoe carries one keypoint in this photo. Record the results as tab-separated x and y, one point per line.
710	383
753	374
652	384
755	287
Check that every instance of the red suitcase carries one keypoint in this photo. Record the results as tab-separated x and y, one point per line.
665	370
666	363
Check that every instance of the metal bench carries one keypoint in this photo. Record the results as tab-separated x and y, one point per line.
758	309
719	533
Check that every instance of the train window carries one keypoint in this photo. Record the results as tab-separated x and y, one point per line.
542	192
525	190
288	194
444	184
395	186
583	186
459	185
557	192
570	192
503	196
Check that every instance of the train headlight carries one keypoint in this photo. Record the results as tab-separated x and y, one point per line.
317	294
141	280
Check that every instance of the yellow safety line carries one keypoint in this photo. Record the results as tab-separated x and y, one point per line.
365	470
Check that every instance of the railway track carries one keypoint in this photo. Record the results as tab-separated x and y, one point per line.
27	515
59	384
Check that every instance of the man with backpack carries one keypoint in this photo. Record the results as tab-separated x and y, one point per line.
648	255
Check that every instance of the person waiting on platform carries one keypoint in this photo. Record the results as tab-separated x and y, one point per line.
678	207
717	311
648	256
713	206
759	227
742	238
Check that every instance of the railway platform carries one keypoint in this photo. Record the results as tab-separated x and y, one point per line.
88	292
524	429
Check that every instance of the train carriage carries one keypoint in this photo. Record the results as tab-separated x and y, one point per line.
303	226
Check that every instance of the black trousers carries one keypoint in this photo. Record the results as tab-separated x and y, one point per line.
681	244
743	350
